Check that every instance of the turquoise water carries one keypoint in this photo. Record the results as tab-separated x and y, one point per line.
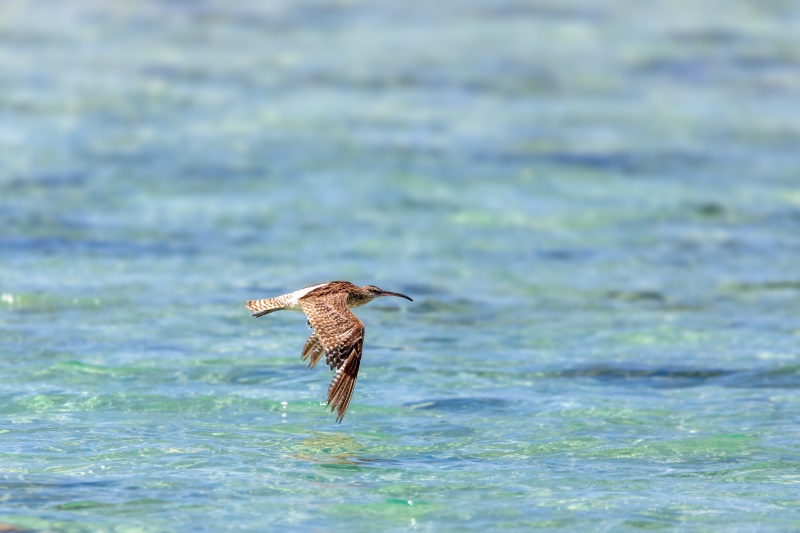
595	206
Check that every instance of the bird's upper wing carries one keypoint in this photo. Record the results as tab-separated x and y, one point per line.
342	337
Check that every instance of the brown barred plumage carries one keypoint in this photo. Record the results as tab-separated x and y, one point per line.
268	305
338	334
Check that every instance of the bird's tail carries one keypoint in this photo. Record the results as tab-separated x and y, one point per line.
265	306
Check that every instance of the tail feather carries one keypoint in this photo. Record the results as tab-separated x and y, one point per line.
264	307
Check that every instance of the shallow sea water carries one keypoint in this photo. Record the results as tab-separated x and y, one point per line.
595	206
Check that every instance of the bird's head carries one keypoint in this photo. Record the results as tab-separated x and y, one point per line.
377	292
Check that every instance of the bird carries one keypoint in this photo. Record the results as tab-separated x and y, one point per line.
337	333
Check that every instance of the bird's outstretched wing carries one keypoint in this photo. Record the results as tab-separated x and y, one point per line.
342	336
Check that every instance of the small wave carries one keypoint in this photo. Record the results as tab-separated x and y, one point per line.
677	377
455	405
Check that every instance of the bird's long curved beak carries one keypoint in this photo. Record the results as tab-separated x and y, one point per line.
387	293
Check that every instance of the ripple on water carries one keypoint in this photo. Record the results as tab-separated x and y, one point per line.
786	377
459	405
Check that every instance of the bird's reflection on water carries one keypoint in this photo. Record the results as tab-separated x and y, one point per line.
332	448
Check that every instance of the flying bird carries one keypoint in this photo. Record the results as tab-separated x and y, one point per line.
337	333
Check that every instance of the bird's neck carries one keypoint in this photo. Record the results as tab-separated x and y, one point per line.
357	300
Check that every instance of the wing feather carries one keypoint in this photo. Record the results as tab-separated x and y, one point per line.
341	334
313	349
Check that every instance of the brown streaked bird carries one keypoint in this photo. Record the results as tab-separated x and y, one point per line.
337	333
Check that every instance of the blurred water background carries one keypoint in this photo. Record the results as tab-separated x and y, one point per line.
595	205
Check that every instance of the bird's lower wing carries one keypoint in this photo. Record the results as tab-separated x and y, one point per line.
313	349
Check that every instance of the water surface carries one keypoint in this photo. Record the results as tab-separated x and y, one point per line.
595	207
